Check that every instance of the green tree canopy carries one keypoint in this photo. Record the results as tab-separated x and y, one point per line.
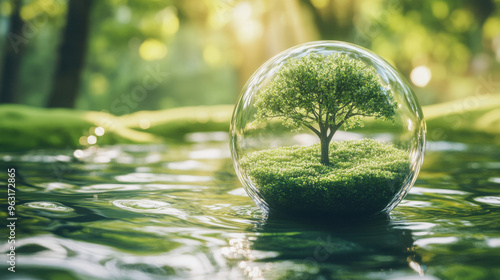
323	93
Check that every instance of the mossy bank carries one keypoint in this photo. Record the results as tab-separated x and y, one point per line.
25	127
362	179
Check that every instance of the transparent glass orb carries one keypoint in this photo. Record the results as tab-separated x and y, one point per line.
279	158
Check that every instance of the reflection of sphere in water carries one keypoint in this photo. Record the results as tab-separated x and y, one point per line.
278	123
332	246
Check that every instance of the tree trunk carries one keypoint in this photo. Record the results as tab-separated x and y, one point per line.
71	55
325	145
14	50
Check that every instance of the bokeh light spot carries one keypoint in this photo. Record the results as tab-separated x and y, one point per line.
440	9
491	27
83	140
421	76
144	124
123	14
91	139
28	12
461	20
242	11
152	49
78	153
99	131
170	21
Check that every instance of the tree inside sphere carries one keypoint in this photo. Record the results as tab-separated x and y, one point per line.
285	146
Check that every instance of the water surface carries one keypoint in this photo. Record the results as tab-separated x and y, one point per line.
179	212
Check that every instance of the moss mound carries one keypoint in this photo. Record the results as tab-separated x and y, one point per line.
364	176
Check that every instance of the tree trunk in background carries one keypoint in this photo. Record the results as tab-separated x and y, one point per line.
71	55
285	24
336	20
14	49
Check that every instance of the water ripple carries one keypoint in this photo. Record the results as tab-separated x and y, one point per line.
495	180
52	186
201	137
213	153
436	146
149	206
49	206
181	214
151	177
185	165
238	192
419	190
493	242
435	240
101	188
491	200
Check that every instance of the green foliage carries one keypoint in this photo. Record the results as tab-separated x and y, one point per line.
329	91
363	178
452	37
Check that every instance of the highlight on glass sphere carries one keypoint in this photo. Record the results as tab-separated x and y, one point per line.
327	129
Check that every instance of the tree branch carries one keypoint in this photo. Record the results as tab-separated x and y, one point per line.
345	105
363	115
315	114
334	129
320	121
348	114
287	116
314	130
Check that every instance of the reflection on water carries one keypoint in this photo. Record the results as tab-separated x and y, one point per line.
156	212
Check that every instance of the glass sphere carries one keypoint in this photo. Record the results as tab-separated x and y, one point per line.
329	129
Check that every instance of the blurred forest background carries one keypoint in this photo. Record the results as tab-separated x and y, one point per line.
122	56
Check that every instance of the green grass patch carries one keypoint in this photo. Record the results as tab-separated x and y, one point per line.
25	127
364	176
174	123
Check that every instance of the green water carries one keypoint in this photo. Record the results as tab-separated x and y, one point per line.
179	212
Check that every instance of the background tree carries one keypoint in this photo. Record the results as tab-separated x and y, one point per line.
324	93
219	43
14	51
72	53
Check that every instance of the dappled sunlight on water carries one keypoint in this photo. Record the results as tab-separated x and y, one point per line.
154	212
